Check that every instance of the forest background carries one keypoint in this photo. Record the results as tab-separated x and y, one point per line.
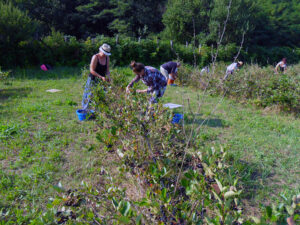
68	31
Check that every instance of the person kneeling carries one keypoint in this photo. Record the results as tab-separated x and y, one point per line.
151	77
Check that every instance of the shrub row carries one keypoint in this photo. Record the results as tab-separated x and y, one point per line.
260	85
57	49
178	180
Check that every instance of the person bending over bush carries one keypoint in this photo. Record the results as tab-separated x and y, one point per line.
281	66
231	68
169	70
151	77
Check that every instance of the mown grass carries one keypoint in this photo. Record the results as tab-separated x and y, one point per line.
43	143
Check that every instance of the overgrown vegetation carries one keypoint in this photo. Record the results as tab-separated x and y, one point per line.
224	163
55	50
57	170
179	182
4	75
260	86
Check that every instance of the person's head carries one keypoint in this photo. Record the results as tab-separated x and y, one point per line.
284	60
104	50
178	64
240	63
137	68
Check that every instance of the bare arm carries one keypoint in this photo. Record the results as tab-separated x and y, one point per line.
276	68
142	91
93	66
136	79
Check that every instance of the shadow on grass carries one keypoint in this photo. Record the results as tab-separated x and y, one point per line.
55	74
14	93
210	122
253	178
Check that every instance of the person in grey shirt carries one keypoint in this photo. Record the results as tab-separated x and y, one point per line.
231	68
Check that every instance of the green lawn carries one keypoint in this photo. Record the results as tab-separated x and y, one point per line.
265	145
42	142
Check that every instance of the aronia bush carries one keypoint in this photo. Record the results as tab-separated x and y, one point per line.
180	183
259	85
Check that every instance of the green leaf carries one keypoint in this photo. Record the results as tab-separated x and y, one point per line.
164	171
229	194
269	211
185	183
188	175
115	203
114	131
210	221
123	219
290	210
219	184
282	195
138	220
58	188
144	202
229	219
217	197
125	207
235	182
164	193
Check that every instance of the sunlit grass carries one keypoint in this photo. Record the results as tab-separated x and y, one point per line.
43	143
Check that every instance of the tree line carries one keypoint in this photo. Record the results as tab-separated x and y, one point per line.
261	23
265	22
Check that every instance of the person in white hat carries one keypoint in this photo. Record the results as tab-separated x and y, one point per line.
99	70
231	68
99	67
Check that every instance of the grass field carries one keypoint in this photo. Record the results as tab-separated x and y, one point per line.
42	143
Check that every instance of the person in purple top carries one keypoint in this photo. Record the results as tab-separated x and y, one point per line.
151	77
169	70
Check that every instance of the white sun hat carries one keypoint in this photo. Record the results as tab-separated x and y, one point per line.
105	48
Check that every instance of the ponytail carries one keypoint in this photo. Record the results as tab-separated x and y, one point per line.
137	67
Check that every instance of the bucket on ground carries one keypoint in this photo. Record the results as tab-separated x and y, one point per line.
85	114
81	114
176	118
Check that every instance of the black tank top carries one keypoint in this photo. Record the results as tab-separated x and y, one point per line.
100	69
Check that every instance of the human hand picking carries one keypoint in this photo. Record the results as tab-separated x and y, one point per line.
141	91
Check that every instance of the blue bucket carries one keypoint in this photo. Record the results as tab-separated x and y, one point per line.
177	117
81	114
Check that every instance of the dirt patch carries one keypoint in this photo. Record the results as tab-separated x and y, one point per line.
135	189
250	209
